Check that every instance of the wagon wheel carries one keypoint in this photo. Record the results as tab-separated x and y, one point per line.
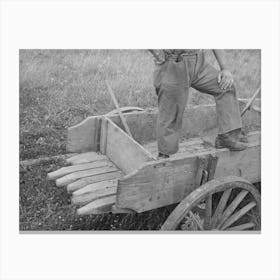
220	204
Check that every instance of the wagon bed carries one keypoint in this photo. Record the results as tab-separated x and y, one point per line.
116	173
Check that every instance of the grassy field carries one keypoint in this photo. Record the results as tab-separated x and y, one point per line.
59	88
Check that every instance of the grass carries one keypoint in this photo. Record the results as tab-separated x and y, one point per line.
59	88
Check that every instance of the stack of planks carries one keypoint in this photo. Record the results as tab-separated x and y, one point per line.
92	180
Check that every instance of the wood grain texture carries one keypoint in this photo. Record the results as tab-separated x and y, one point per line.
108	189
103	135
84	136
65	180
122	150
70	169
157	184
168	181
93	179
99	206
96	187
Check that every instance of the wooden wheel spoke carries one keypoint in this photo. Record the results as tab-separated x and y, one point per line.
238	214
208	212
220	208
230	209
242	227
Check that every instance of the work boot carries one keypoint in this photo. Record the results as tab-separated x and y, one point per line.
239	135
162	156
230	141
242	137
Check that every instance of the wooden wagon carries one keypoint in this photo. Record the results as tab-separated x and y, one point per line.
113	172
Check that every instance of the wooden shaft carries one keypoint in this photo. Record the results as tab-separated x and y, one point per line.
251	100
118	109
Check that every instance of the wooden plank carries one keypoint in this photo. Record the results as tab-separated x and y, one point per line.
124	151
168	181
85	158
99	206
96	187
103	135
84	136
152	147
70	169
91	196
93	179
157	184
63	181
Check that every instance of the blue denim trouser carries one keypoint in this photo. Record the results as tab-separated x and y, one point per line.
172	81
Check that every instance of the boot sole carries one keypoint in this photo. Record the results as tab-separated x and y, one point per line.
231	149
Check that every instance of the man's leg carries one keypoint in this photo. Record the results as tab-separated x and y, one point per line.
171	106
172	89
228	114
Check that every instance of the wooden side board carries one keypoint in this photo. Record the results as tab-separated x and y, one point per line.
120	148
198	121
168	181
84	136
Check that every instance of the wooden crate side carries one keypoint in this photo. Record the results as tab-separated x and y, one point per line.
157	184
84	136
121	149
142	124
165	182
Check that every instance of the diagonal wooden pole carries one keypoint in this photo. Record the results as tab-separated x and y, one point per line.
119	110
251	100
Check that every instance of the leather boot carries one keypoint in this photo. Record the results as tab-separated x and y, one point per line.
231	141
242	137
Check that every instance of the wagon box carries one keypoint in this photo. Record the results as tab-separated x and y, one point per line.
114	172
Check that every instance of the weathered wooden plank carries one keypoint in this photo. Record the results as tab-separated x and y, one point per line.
70	169
122	150
96	187
65	180
183	146
91	196
93	179
84	136
168	181
157	184
85	158
103	135
99	206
